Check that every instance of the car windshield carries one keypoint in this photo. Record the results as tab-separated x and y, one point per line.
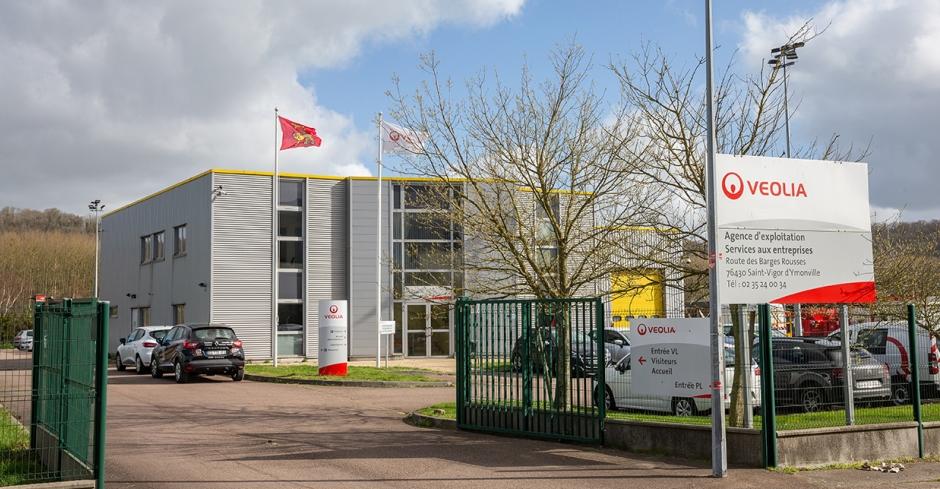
29	334
158	334
210	334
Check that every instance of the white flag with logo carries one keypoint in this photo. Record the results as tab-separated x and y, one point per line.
397	139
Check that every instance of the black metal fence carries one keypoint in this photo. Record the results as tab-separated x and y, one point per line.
53	381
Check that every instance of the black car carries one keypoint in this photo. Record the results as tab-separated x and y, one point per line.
808	374
188	350
544	353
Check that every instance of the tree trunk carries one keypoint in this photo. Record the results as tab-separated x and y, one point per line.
563	372
736	411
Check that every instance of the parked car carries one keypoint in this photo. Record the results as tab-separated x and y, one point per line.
136	348
23	340
619	392
889	343
808	374
617	344
192	349
544	351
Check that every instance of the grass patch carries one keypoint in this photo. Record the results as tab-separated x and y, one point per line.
309	371
17	463
449	408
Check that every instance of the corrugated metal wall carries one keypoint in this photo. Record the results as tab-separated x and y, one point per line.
241	260
326	246
648	242
159	285
362	252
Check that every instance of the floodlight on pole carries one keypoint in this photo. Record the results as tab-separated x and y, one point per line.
96	206
782	57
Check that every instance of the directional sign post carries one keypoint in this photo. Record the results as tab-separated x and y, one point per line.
669	355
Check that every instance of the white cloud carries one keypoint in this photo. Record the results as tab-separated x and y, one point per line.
115	99
873	75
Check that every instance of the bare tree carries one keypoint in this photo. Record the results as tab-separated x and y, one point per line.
907	271
539	173
671	124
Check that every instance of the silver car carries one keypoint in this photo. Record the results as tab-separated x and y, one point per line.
24	340
136	348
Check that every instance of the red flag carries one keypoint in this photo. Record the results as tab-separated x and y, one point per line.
294	135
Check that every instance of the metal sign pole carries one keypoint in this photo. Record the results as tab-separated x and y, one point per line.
719	448
848	397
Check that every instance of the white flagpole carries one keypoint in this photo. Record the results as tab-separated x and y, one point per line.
378	255
274	198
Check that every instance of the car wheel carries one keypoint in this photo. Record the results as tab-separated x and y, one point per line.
811	399
239	375
138	366
155	369
900	394
179	375
609	403
683	406
119	363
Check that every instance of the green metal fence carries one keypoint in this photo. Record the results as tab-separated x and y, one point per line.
53	396
531	367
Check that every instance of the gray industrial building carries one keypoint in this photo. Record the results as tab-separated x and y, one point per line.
200	251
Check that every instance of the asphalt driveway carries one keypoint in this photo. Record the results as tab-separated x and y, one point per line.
216	433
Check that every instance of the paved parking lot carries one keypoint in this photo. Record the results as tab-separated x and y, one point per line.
218	433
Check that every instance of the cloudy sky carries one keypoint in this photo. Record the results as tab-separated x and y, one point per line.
117	99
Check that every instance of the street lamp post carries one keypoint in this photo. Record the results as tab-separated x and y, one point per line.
783	57
96	206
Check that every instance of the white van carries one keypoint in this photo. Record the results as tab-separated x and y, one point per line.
888	342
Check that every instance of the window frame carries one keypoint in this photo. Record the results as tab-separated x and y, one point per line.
146	249
178	318
159	244
179	238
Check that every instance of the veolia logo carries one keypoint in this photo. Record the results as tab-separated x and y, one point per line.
334	309
732	185
334	313
641	329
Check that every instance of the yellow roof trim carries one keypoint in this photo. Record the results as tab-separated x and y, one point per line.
223	171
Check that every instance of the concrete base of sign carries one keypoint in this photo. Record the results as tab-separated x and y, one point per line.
826	446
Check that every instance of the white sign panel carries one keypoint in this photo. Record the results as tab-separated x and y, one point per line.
386	327
793	231
334	327
670	357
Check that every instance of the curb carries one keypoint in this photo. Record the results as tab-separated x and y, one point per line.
346	383
79	484
425	421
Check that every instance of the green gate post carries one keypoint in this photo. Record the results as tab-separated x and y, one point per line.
768	396
915	377
458	309
101	389
37	354
600	384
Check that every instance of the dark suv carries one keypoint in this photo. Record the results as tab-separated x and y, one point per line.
808	375
209	349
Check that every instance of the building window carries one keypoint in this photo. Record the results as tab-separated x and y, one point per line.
179	240
113	310
146	249
140	316
290	285
290	330
290	193
428	256
290	224
427	225
158	242
290	254
179	314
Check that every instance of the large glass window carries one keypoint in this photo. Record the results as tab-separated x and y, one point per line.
290	254
290	223
289	316
427	278
179	313
290	330
426	197
428	256
146	249
290	285
291	193
426	225
179	240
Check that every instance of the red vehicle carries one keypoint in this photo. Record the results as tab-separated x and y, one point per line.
820	321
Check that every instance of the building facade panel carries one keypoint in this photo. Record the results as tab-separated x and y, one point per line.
327	247
131	285
241	259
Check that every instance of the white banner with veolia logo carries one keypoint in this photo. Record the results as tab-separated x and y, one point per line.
667	358
334	328
793	231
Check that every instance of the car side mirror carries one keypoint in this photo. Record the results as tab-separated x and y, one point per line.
123	341
618	342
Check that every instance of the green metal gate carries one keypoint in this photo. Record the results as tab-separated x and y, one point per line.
531	367
69	388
